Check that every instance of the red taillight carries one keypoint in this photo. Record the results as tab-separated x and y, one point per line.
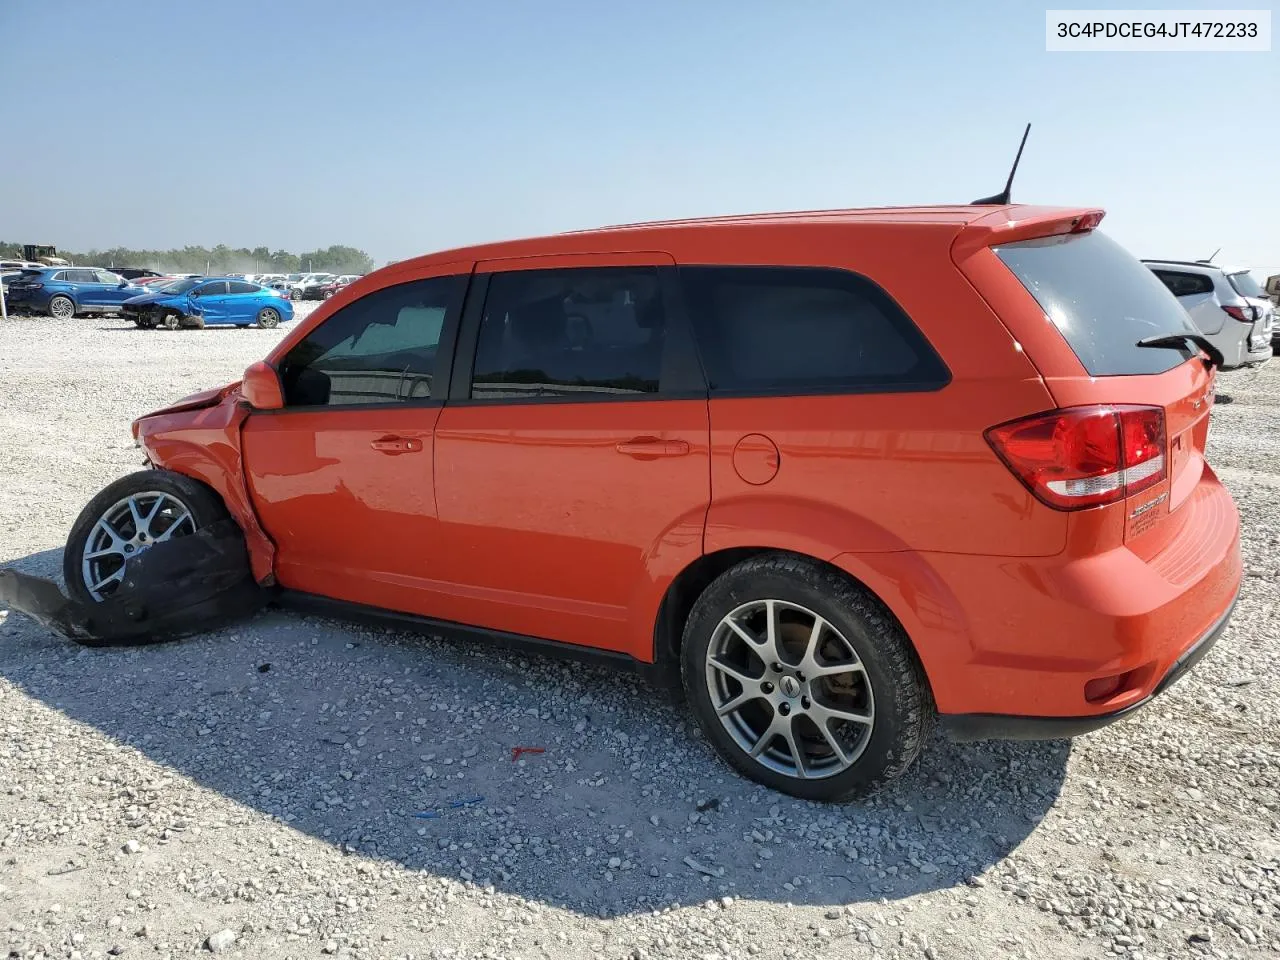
1087	222
1084	456
1243	314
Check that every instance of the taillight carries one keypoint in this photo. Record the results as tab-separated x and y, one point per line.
1084	456
1243	314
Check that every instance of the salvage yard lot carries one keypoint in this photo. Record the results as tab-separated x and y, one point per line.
153	798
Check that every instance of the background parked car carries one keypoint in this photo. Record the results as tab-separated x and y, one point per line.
310	286
206	302
135	273
1238	324
333	286
66	292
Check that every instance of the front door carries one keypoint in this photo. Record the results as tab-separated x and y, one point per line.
341	478
572	470
210	300
109	293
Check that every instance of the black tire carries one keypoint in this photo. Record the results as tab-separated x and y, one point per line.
903	714
62	308
204	505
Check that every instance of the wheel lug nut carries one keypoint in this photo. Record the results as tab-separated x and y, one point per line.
776	668
800	677
766	687
784	708
128	548
804	702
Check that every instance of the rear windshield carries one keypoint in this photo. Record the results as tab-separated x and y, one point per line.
1245	285
1102	300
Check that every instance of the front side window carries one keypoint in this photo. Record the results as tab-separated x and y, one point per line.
804	330
381	349
106	276
593	332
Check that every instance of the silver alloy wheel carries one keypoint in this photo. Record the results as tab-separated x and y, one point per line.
268	318
126	529
790	689
62	308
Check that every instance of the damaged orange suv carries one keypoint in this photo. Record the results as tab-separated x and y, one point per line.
849	472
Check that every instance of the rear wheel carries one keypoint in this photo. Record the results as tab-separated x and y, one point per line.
802	681
268	317
127	518
62	308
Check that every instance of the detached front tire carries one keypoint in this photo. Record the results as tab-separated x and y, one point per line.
802	680
127	518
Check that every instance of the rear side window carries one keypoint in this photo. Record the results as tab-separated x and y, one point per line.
214	289
381	349
804	330
1185	284
586	333
1102	300
239	286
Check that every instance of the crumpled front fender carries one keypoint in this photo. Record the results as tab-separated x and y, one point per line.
176	588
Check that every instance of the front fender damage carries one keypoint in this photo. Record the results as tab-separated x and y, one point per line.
176	588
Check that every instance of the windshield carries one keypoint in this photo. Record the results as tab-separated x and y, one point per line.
1102	300
1245	285
178	286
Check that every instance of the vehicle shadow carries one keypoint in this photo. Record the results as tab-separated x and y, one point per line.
372	741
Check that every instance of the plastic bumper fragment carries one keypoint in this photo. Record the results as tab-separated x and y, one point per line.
174	589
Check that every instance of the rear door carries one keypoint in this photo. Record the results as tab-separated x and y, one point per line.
1103	302
85	287
573	472
243	302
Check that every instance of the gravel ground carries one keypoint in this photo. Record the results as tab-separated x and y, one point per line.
254	791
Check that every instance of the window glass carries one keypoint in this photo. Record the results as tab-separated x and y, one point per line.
1102	300
82	276
1185	284
1246	285
214	288
239	286
783	329
63	276
381	349
106	276
569	333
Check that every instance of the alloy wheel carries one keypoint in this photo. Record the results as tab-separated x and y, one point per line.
126	529
61	308
789	689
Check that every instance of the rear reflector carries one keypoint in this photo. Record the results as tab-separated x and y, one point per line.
1081	457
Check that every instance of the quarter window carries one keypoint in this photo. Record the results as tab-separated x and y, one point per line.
594	332
803	330
381	349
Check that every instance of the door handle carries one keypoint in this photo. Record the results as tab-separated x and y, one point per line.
650	448
394	445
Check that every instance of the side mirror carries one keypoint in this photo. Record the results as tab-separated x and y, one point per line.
261	387
122	284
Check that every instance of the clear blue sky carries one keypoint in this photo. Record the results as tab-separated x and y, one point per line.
403	127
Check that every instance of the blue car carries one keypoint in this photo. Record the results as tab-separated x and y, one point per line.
208	302
66	292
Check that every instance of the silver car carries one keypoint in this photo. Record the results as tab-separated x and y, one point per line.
1226	304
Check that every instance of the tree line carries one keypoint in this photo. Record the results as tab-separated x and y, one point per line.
219	259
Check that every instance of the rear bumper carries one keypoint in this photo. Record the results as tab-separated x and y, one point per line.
965	727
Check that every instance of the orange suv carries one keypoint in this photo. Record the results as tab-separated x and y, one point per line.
851	472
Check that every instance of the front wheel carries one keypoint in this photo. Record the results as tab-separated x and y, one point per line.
268	317
62	308
802	681
126	519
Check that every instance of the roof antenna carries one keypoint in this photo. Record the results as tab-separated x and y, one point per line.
1210	260
1002	198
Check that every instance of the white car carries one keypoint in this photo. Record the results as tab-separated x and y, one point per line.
1226	304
